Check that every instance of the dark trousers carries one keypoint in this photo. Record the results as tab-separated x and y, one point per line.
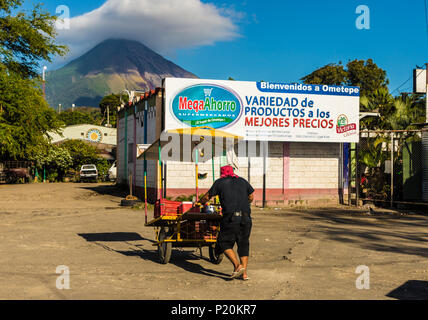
235	230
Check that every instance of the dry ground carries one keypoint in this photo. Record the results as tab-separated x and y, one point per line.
295	254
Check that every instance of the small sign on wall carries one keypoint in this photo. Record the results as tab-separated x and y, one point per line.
419	81
141	148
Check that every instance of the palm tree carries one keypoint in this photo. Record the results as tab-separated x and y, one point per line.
408	110
399	113
379	101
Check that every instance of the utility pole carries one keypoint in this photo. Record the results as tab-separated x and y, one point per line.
108	116
420	87
44	82
426	96
425	147
59	108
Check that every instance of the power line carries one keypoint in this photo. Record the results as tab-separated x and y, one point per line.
408	79
402	84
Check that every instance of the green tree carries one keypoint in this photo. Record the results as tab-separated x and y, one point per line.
81	152
408	111
111	103
26	38
70	118
366	75
380	101
93	112
372	80
25	117
55	159
331	74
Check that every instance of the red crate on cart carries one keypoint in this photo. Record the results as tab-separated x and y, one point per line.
185	206
164	207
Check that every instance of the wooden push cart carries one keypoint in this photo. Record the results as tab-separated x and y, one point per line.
190	229
184	224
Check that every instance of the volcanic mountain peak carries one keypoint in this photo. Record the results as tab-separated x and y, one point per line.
110	67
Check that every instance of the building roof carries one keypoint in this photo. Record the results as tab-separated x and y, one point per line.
142	97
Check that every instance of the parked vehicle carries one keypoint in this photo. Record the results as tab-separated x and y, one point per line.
112	172
15	171
89	172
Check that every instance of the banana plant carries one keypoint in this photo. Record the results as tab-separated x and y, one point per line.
372	154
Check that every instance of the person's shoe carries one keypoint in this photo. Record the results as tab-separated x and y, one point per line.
237	274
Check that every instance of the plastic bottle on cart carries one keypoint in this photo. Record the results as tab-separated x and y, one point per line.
209	209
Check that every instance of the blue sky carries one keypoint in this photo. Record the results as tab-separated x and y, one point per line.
282	41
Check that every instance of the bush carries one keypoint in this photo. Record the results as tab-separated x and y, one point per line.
102	166
81	152
64	161
52	176
185	197
55	159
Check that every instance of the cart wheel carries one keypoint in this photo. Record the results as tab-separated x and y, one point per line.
215	257
165	248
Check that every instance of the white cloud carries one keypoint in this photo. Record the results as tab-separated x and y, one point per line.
162	25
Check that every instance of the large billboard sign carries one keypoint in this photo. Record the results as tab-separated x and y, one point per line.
264	111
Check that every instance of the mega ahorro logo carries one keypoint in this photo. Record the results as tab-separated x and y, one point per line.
207	105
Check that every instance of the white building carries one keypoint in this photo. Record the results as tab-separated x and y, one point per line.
103	138
294	172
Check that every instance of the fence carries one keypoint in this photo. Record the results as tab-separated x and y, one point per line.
385	168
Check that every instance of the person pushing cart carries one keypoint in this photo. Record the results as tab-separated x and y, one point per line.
236	195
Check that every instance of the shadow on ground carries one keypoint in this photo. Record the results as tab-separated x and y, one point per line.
108	189
378	230
187	260
411	290
112	236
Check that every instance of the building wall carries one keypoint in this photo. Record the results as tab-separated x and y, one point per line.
120	150
313	170
145	109
125	138
294	171
108	135
152	165
309	171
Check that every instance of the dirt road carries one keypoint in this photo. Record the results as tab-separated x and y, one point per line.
295	254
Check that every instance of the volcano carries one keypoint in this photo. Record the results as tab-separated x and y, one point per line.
110	67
